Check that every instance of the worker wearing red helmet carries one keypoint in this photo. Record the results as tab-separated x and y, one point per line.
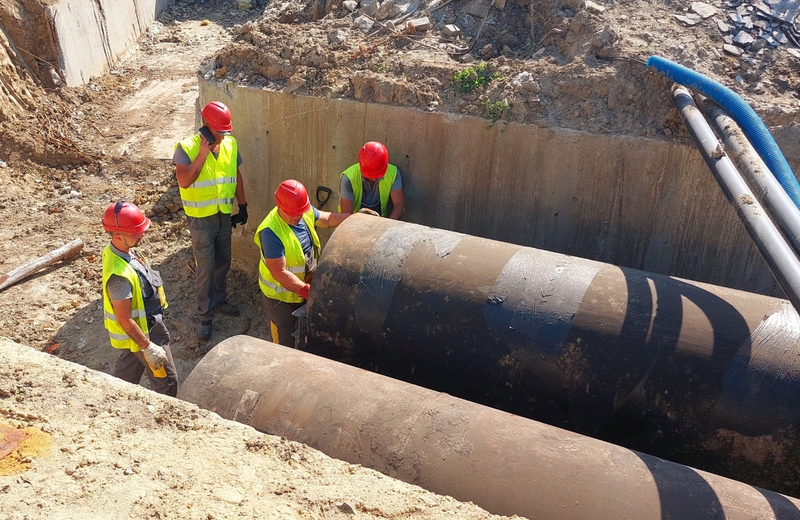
372	183
207	169
289	248
134	303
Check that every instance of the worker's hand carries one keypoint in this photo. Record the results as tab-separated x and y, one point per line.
205	147
368	211
304	291
241	217
155	356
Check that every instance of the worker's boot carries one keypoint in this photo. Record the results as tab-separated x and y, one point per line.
205	330
228	308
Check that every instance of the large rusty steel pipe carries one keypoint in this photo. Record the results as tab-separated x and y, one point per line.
695	373
504	463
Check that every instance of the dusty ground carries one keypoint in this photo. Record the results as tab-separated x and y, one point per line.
67	152
137	454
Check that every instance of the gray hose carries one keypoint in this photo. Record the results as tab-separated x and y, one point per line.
770	243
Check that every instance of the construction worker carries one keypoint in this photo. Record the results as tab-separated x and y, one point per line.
207	168
372	183
134	303
289	248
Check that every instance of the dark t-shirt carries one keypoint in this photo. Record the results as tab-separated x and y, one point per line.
272	247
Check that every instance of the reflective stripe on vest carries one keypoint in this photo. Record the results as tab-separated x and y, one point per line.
116	265
384	186
293	252
215	187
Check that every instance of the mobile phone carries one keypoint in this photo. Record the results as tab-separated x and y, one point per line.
207	134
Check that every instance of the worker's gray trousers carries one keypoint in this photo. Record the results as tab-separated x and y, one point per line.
131	365
211	244
282	322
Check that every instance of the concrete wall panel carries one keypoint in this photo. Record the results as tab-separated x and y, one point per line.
633	202
91	35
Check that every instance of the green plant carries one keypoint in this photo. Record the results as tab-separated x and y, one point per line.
496	109
382	67
473	78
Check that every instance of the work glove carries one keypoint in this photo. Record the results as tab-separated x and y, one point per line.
368	211
304	291
155	356
241	217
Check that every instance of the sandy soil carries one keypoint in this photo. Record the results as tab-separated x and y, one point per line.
137	454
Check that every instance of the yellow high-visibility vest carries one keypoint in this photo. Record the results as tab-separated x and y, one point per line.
113	264
293	251
215	188
384	186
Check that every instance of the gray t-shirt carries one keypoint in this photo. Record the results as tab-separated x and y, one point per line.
370	192
181	157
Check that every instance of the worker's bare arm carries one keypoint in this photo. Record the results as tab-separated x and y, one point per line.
188	173
346	205
239	188
398	203
277	268
122	310
328	219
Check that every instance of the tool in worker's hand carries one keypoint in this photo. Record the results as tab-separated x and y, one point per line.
326	192
156	357
302	328
205	132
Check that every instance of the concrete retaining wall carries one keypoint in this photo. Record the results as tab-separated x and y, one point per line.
90	35
641	203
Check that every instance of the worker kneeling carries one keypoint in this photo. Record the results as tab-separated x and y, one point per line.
134	303
289	247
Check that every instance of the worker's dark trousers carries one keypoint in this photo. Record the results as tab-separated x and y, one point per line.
211	244
131	365
282	323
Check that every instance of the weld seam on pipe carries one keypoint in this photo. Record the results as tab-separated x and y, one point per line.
761	179
382	271
380	277
751	124
770	243
542	313
763	368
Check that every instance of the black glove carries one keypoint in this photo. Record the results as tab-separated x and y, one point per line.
241	217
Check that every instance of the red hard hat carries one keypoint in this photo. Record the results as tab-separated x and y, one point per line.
373	160
125	217
217	116
292	198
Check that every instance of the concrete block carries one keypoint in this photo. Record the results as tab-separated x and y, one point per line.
419	25
364	23
451	30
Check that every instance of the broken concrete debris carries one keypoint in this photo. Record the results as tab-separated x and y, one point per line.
478	8
418	25
451	30
703	10
756	24
364	23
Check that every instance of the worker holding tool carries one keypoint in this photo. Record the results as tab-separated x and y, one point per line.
207	169
372	183
134	303
290	248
